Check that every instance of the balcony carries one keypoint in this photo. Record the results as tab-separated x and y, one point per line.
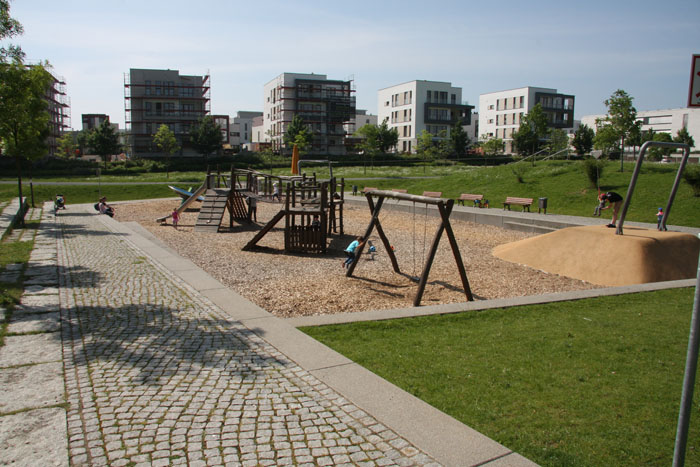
447	113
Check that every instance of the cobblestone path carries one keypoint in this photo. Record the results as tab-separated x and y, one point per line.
157	375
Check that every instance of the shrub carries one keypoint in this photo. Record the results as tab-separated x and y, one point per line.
594	170
691	175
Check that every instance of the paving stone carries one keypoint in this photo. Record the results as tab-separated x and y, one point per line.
45	279
37	304
40	290
34	438
22	323
31	386
23	350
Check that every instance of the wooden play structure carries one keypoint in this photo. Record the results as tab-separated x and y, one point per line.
444	207
312	211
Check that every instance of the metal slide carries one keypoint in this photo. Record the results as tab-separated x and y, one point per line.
198	192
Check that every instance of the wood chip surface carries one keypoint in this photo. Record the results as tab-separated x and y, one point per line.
288	284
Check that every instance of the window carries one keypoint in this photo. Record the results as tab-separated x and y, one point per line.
149	108
491	107
428	98
490	120
453	98
522	101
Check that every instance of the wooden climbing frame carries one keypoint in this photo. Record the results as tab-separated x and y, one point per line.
445	209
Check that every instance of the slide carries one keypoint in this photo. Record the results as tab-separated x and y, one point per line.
197	194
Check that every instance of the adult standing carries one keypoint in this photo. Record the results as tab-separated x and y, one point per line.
615	202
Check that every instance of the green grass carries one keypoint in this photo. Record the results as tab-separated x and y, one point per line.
76	194
590	382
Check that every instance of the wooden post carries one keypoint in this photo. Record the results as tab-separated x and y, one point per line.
372	223
445	214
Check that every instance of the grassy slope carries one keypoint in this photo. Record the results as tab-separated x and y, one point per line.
592	382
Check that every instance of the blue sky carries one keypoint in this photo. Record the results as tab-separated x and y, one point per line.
588	49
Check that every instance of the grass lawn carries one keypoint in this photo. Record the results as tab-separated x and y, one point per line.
590	382
76	194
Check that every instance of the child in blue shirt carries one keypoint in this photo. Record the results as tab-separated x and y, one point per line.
350	251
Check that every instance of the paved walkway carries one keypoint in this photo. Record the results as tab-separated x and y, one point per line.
140	358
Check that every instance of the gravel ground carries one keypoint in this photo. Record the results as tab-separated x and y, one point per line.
300	284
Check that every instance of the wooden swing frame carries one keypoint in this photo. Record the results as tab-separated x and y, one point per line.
445	209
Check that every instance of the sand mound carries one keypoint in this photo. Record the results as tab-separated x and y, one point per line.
595	254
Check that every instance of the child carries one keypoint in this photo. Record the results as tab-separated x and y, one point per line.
615	201
372	250
316	223
350	252
659	218
601	205
252	209
276	192
176	218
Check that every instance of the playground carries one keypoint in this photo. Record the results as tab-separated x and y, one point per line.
297	284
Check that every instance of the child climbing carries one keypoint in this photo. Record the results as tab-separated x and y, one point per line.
350	251
372	250
659	218
176	218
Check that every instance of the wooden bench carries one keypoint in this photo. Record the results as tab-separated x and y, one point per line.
475	199
368	188
399	190
432	194
524	202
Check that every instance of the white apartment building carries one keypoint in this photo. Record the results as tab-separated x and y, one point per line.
241	132
361	119
501	112
662	121
420	105
326	106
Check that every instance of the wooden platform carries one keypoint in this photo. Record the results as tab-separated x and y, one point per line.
212	210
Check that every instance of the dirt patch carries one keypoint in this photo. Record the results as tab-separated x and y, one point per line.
298	285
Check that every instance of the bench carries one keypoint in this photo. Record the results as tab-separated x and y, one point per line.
524	202
399	190
432	194
368	188
475	199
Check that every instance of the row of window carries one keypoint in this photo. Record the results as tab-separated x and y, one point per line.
436	129
440	97
160	108
399	116
557	102
403	98
440	114
509	119
505	132
168	88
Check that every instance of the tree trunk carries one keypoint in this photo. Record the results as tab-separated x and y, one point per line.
19	188
622	153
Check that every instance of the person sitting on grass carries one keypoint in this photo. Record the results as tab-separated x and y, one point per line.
350	251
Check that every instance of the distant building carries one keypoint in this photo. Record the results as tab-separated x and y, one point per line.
412	107
500	113
258	139
241	133
223	122
361	119
662	121
59	112
472	129
91	121
163	97
326	106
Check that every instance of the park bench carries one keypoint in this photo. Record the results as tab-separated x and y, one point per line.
475	199
368	188
399	190
524	202
432	194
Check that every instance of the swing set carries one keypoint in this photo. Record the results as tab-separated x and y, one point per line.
445	209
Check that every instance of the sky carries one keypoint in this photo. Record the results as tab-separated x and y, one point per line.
588	49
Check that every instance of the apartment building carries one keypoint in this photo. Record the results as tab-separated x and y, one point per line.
360	119
326	106
91	121
418	105
241	134
59	112
662	121
156	97
501	112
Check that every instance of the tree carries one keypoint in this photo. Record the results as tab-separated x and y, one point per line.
558	140
84	139
206	136
66	146
493	146
377	139
682	136
298	133
459	140
165	141
606	138
425	146
534	127
105	141
583	140
656	153
621	117
9	27
24	116
387	137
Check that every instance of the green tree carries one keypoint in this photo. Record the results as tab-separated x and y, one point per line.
558	140
606	138
493	146
656	153
459	140
165	140
387	137
534	127
621	117
24	116
682	136
84	139
583	140
425	146
9	27
66	145
206	137
298	133
104	140
377	139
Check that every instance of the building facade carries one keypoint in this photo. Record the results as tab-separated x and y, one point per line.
662	121
59	113
433	106
163	97
241	133
501	112
92	121
326	106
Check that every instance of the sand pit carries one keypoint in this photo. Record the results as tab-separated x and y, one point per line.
595	254
299	284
